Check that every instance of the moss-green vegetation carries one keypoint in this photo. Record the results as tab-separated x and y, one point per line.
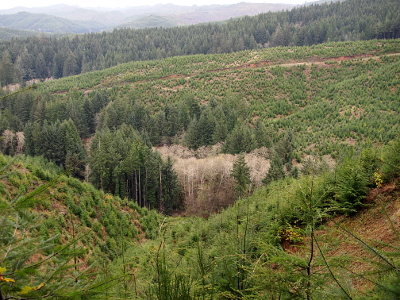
267	246
294	104
335	95
263	246
351	20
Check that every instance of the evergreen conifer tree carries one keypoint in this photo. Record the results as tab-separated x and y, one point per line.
7	73
74	152
206	127
192	136
275	171
241	174
171	195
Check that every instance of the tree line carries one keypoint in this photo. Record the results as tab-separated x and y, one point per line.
44	57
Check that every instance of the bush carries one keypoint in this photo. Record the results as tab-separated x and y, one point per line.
351	185
391	161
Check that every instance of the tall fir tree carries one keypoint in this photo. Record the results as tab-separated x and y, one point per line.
192	136
276	170
75	154
241	174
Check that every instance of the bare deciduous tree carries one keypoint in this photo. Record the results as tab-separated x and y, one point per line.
206	181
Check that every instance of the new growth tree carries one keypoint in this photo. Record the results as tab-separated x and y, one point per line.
34	265
241	174
281	160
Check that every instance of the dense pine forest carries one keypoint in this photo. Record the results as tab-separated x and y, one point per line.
38	58
269	173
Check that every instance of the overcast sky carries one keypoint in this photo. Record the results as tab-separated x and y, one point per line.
4	4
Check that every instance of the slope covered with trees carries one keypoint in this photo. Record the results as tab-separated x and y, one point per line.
59	236
321	123
286	241
49	24
40	58
9	34
328	101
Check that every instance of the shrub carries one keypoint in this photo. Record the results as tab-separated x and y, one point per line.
351	185
391	161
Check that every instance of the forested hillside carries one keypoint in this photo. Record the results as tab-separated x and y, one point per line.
59	236
216	175
9	34
293	102
306	238
48	24
40	58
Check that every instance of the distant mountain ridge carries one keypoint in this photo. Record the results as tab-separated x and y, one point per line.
166	15
47	23
204	14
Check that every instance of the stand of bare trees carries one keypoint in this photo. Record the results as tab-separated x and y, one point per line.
207	183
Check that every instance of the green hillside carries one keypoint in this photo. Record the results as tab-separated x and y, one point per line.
47	23
291	239
289	153
351	20
293	103
9	34
59	236
328	95
151	21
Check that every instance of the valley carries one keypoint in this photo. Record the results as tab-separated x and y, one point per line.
205	162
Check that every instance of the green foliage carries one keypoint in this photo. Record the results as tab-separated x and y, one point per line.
330	107
123	165
391	160
58	142
350	185
240	140
325	102
170	285
237	253
42	57
281	160
245	251
241	174
192	136
34	265
275	171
